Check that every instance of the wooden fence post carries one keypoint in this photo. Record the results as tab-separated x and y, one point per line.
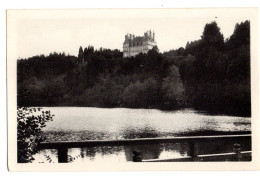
62	155
137	157
237	150
192	151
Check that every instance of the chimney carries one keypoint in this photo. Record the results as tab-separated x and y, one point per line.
130	36
153	36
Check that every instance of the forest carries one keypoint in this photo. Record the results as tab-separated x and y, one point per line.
211	75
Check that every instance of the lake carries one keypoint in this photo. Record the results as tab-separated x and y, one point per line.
84	123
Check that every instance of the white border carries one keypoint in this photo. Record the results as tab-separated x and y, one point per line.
32	4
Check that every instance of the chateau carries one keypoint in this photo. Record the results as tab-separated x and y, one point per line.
134	45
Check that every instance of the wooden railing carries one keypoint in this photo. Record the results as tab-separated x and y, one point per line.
192	141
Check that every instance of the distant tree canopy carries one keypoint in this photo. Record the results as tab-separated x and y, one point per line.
208	74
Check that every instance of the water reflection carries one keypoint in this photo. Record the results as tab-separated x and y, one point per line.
147	152
122	123
125	153
146	132
182	149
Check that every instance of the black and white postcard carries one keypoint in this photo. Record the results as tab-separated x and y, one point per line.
133	89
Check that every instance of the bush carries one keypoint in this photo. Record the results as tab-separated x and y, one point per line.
30	122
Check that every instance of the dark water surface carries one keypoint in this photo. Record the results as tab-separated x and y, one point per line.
80	123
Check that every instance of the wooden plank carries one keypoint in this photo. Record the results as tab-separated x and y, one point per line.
208	157
141	141
186	158
223	156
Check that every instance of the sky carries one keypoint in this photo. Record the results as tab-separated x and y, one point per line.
36	32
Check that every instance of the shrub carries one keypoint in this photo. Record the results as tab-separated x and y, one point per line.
30	122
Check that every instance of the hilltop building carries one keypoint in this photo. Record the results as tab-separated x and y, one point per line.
134	45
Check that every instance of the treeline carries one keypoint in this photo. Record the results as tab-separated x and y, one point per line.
101	78
218	80
209	74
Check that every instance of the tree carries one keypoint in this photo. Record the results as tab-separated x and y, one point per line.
212	37
142	94
180	51
88	52
240	36
80	55
156	48
173	90
29	129
193	47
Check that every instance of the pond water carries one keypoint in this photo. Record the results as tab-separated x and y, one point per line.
83	123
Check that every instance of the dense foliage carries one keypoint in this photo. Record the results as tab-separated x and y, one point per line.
208	74
29	128
219	79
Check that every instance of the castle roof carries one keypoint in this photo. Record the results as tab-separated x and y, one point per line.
138	40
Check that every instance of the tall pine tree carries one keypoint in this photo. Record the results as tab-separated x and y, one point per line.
80	55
